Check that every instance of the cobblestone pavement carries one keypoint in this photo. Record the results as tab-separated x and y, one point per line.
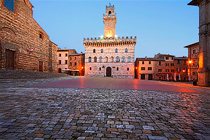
55	113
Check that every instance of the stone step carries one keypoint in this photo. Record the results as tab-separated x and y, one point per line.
20	74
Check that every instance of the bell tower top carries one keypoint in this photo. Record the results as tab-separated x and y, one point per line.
110	22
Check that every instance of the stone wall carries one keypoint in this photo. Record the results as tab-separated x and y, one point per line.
118	69
20	33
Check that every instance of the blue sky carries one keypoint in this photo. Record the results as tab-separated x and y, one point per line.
161	26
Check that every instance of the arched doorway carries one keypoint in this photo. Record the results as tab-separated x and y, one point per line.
108	72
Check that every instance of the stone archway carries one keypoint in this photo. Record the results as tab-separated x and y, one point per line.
108	72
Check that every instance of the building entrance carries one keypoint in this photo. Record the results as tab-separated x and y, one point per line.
10	56
108	72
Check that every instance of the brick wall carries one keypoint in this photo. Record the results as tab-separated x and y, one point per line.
19	32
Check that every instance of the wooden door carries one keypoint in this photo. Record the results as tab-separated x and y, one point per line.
108	72
150	77
40	66
10	56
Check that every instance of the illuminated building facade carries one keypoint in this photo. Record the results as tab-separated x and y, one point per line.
109	55
204	41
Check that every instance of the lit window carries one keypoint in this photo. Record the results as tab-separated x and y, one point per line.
9	4
112	59
106	59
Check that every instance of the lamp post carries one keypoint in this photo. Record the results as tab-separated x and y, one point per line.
190	62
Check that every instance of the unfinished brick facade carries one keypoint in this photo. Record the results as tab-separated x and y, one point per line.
24	45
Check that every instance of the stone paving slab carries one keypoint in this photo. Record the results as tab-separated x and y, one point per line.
99	114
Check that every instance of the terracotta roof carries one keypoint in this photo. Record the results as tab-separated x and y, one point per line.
194	2
148	59
181	58
197	43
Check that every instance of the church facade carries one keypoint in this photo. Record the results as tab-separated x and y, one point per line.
110	56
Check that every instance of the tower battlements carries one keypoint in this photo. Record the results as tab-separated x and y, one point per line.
108	41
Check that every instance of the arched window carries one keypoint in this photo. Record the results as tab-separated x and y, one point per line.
123	59
99	68
116	50
126	50
110	13
106	59
117	69
100	59
112	59
95	59
129	59
9	4
117	59
89	59
90	68
94	50
102	51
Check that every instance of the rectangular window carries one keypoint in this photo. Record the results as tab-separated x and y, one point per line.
127	69
149	68
167	64
9	4
167	58
59	55
167	70
194	51
59	61
159	62
142	68
65	61
66	54
149	62
178	62
172	64
172	70
159	70
142	62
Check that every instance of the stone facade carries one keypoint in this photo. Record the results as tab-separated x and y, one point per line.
63	59
110	56
77	64
204	41
24	45
193	56
162	67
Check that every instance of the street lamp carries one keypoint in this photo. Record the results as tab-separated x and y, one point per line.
190	63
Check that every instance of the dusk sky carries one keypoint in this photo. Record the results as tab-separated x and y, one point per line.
161	26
